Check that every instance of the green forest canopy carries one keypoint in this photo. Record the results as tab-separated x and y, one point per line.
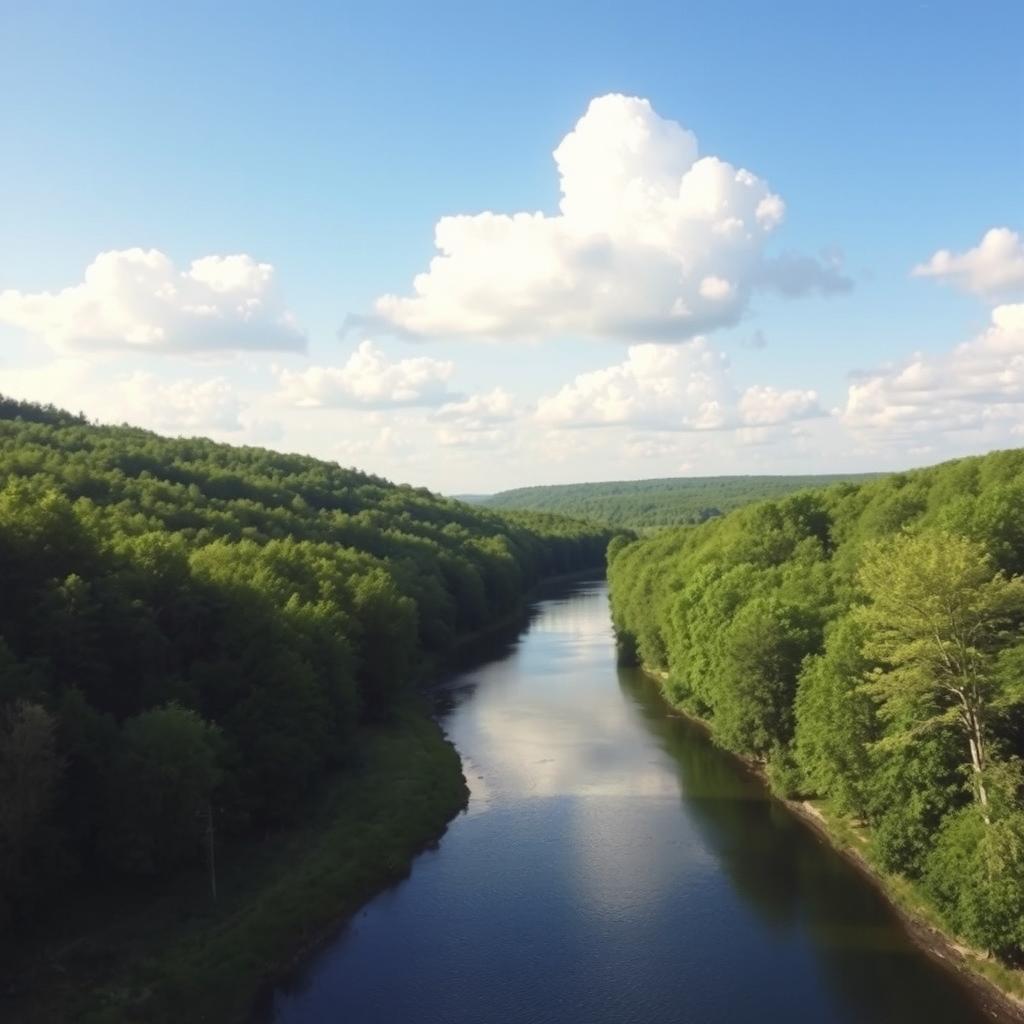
866	643
641	504
192	633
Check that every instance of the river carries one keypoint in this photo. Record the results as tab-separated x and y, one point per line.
613	867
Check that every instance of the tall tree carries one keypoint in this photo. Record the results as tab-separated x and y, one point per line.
937	615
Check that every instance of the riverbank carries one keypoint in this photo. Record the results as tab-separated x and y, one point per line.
998	989
173	956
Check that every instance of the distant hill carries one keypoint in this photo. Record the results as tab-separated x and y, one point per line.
671	501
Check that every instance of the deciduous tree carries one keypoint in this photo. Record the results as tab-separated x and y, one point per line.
937	615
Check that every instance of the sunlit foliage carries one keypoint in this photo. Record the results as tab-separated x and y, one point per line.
865	642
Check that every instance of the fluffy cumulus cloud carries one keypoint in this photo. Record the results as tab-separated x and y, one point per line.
994	268
651	241
177	406
480	421
369	380
763	406
479	412
978	384
671	387
137	300
388	444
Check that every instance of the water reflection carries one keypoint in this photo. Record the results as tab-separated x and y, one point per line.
613	867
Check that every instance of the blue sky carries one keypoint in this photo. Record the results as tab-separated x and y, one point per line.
327	141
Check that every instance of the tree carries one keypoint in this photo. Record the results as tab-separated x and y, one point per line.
938	613
762	650
835	720
387	640
976	869
909	792
615	546
29	772
160	788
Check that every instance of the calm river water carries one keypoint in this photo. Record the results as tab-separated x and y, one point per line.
613	868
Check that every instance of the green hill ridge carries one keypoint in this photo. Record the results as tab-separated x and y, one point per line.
669	501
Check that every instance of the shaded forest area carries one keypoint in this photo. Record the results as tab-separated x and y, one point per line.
647	504
192	635
865	643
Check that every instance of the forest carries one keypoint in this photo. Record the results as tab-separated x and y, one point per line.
863	642
649	504
192	635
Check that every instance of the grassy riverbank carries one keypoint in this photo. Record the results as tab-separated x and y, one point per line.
178	956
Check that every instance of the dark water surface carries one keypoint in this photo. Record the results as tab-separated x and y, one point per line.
612	868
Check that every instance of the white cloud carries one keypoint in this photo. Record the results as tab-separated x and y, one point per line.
368	380
993	268
449	437
180	405
653	446
671	387
716	289
262	431
184	405
657	386
135	299
479	412
651	241
480	421
388	443
979	383
765	406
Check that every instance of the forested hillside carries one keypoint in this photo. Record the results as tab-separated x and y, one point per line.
192	634
643	504
865	642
